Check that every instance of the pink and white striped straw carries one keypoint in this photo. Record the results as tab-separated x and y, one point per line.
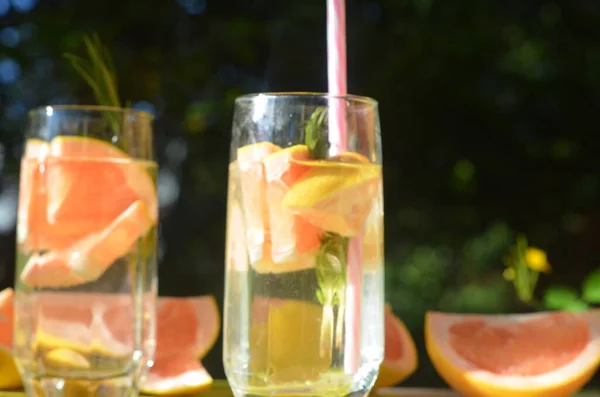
336	73
338	137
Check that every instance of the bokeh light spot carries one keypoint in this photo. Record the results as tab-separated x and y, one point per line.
10	37
168	188
23	5
4	7
144	106
10	71
194	7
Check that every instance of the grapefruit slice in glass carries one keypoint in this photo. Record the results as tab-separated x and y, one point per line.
87	259
335	196
547	354
72	326
294	241
74	186
254	204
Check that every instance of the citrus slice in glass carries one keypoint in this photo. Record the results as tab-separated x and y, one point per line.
88	258
74	186
335	196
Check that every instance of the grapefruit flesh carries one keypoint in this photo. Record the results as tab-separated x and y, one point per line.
236	256
177	368
87	259
335	196
84	323
400	359
254	203
80	196
74	186
265	174
294	241
196	320
291	235
548	354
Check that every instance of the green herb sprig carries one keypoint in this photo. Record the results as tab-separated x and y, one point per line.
98	71
331	268
332	261
316	134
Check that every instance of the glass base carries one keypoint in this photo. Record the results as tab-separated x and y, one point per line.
295	392
47	386
291	393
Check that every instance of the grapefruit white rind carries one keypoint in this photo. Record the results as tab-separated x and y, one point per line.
472	381
193	380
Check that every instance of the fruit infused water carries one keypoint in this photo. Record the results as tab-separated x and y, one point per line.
304	261
86	277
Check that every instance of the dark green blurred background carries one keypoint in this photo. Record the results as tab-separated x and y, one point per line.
489	113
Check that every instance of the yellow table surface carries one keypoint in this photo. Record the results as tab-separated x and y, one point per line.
221	389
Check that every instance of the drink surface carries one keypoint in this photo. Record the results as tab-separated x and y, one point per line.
85	279
304	264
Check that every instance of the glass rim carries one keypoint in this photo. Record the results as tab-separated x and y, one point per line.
300	94
43	110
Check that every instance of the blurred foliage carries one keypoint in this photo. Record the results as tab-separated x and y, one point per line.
488	111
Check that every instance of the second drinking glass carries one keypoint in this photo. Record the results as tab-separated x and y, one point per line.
86	284
304	267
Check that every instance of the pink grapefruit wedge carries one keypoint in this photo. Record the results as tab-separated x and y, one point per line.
74	186
400	352
254	204
294	241
87	259
187	329
548	354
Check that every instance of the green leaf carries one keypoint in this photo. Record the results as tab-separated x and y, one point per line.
576	306
591	287
316	134
98	71
560	297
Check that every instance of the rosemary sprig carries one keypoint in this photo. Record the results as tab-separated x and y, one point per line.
331	262
331	268
98	71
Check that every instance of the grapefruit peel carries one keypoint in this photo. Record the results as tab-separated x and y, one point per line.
471	381
401	358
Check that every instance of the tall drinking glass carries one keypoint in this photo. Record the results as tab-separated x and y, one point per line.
304	300
86	284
